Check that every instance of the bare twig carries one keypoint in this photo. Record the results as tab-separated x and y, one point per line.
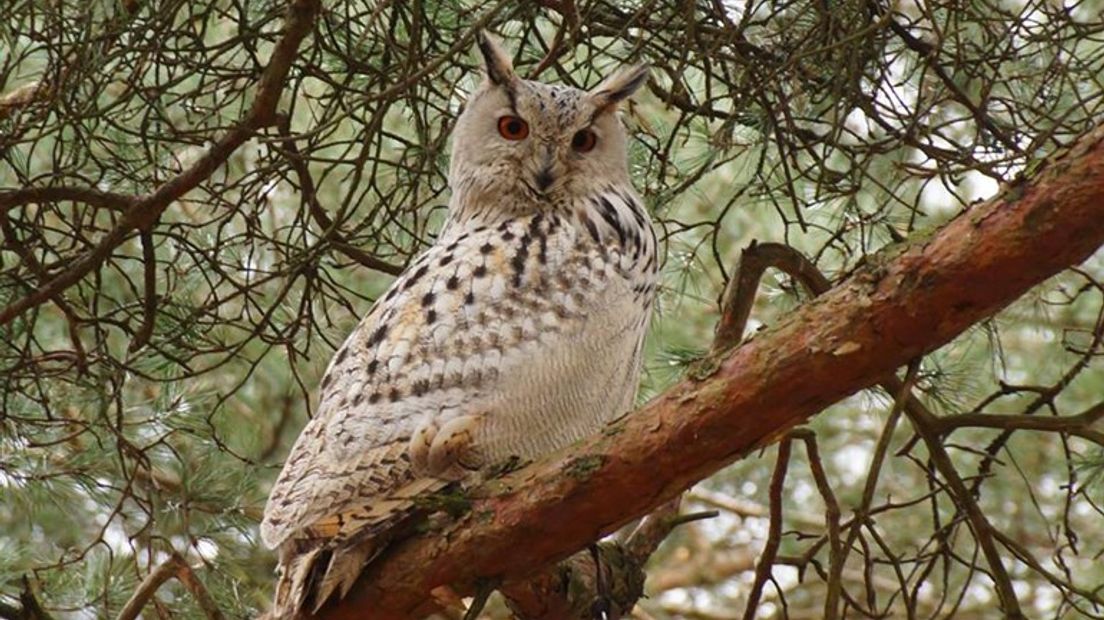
309	196
29	607
144	211
1080	424
174	567
187	576
774	535
155	579
739	295
979	524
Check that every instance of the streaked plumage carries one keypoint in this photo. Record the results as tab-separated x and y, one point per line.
520	331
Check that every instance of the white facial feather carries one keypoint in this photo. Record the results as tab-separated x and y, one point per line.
489	169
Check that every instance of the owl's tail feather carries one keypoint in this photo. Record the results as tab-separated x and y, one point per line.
309	577
345	566
293	584
335	550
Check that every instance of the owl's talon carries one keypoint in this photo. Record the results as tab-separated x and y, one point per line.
421	443
471	461
452	452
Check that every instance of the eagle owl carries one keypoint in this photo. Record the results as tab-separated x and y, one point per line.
518	332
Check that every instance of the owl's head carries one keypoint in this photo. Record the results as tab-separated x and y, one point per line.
539	143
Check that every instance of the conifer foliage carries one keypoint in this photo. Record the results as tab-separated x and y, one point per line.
199	199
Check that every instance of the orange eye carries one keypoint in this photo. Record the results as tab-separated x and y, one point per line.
584	140
513	128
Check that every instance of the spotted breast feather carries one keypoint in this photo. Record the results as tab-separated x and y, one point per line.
520	336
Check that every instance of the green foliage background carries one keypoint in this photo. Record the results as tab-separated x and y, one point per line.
149	409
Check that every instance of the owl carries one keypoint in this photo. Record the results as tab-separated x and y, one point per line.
517	333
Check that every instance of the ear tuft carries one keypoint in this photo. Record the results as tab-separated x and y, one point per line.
497	64
619	86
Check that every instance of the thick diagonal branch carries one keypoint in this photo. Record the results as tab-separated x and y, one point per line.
903	303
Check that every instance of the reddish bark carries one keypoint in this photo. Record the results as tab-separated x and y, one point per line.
903	303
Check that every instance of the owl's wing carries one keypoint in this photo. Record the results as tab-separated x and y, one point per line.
436	342
473	312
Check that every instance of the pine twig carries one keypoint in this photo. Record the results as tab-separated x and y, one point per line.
176	566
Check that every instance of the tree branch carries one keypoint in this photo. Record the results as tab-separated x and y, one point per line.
1079	424
774	534
176	566
29	607
144	211
145	591
105	200
310	198
982	529
568	589
739	295
903	303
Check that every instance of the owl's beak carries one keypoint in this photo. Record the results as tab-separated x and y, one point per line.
545	178
549	171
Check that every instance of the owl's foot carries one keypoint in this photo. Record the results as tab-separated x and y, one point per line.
446	451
